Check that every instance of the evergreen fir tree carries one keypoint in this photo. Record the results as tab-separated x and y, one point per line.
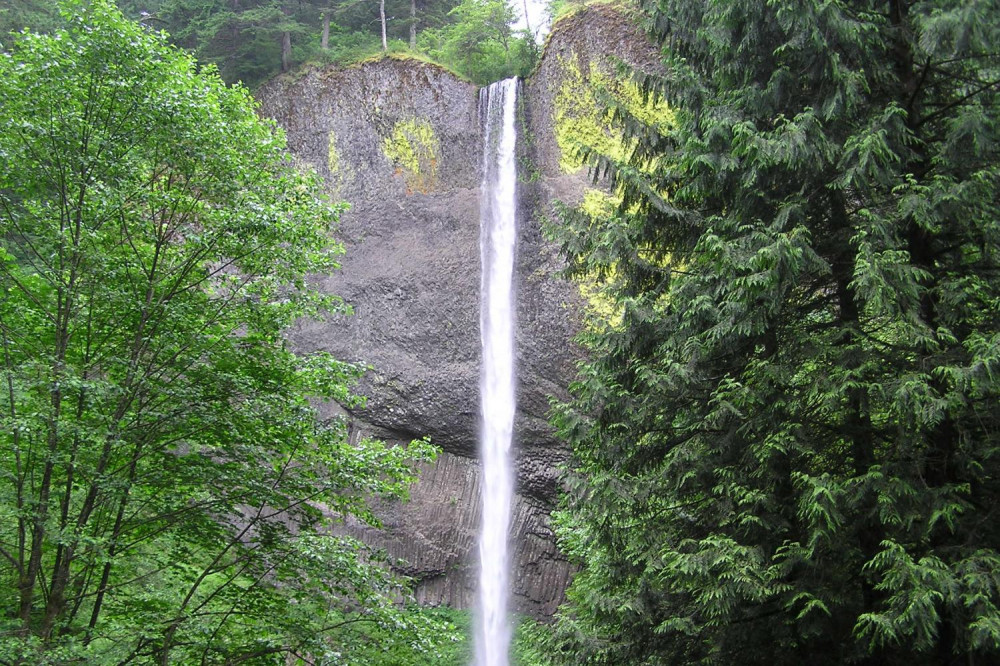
786	448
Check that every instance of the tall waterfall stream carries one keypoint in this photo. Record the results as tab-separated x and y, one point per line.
498	235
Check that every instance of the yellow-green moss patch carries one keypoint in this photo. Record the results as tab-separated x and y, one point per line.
339	170
580	123
332	156
413	149
579	119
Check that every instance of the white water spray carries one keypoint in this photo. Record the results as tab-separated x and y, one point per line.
498	235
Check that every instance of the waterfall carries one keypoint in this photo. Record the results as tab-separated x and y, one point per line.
498	235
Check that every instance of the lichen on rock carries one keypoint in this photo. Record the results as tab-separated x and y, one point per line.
340	171
332	156
580	124
413	149
580	121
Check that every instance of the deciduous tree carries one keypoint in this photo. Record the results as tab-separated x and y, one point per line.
167	489
480	42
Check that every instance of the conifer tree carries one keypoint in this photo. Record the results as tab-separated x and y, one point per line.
785	445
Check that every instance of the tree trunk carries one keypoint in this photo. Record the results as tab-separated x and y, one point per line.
22	531
26	583
413	25
235	29
324	41
381	13
68	257
286	51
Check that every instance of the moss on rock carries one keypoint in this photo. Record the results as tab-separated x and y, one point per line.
580	121
332	156
413	149
339	170
580	124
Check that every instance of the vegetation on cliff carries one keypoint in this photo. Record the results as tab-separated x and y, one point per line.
413	150
785	451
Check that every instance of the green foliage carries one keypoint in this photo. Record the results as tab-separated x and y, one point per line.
448	642
480	44
451	645
247	39
168	493
347	47
32	14
441	639
242	39
413	149
785	451
528	645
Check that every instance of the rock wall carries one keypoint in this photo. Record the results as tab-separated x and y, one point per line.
399	139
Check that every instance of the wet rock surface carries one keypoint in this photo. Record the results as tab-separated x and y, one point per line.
400	140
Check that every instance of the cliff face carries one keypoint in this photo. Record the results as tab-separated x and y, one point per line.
400	140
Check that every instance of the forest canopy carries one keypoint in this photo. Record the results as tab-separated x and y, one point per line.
253	40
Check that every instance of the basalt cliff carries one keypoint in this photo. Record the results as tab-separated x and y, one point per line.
400	140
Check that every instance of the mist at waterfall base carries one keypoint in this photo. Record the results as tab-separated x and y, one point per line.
498	235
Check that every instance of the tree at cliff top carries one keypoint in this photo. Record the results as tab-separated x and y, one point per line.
481	44
166	488
786	442
251	40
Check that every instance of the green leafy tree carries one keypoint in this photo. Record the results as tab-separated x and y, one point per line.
786	437
480	42
252	40
168	493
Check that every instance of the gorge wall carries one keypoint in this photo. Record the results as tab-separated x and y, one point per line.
400	140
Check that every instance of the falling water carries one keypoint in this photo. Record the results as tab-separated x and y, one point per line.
498	234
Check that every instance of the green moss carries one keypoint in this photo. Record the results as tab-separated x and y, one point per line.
413	149
598	204
339	170
332	156
652	113
576	120
567	10
604	310
405	56
580	122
